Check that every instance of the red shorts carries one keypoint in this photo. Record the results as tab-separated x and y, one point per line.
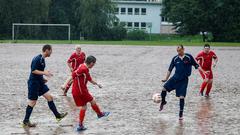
82	100
208	75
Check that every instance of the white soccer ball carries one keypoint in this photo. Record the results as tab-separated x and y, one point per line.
156	98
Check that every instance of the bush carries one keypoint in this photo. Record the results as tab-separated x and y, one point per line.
136	35
117	33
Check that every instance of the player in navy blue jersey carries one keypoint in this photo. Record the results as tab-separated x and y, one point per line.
37	86
183	63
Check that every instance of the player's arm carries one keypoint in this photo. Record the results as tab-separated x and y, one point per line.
215	59
46	72
196	65
169	70
69	63
95	83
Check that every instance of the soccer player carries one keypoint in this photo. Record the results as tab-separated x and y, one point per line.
37	86
77	58
80	91
205	59
183	63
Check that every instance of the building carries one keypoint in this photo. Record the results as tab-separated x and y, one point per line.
142	14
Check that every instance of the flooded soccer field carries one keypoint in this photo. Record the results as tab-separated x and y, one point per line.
129	75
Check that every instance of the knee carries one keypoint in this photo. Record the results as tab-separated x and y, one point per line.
181	97
83	107
93	102
49	98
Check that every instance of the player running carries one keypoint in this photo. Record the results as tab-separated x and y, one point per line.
204	59
80	91
183	63
77	58
37	86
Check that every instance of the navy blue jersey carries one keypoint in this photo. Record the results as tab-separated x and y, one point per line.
38	63
183	66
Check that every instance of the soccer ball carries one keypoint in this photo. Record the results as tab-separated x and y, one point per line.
156	98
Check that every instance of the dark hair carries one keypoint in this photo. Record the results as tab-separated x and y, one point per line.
181	46
46	47
207	45
90	59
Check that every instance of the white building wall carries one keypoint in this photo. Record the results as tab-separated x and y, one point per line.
153	11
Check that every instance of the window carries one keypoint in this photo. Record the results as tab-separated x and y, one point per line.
143	25
116	10
136	10
129	25
130	11
123	11
123	24
136	24
144	11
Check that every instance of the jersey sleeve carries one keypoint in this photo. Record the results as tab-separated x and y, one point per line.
214	55
35	64
78	72
172	64
198	56
194	62
70	59
89	78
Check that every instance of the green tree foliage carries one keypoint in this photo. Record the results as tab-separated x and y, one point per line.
219	17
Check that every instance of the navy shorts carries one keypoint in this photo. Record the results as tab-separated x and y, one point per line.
36	89
179	85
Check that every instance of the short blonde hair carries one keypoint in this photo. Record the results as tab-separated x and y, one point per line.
77	47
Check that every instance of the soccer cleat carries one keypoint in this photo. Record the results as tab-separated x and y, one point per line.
201	93
28	124
207	96
104	114
162	104
81	128
61	116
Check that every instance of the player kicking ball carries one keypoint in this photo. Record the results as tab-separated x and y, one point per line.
37	86
204	59
183	63
77	58
80	92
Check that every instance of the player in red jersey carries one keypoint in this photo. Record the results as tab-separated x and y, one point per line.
77	58
80	91
204	59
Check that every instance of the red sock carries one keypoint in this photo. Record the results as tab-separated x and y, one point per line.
96	109
81	116
204	84
209	87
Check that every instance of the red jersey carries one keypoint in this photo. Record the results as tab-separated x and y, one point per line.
76	60
80	77
205	59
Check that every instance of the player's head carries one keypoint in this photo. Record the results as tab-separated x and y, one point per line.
90	61
78	49
206	48
47	50
180	50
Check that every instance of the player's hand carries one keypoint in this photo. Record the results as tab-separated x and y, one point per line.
48	73
214	65
99	86
45	80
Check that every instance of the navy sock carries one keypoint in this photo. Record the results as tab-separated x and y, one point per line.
163	95
28	113
53	108
181	103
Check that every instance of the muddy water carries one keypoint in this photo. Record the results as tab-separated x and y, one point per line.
130	75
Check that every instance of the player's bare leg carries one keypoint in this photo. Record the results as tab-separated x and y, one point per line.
203	86
82	112
163	96
181	105
26	121
65	87
209	87
96	108
49	98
